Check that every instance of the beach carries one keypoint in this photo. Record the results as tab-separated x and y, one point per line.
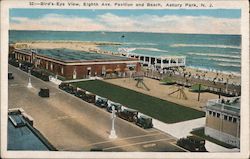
73	45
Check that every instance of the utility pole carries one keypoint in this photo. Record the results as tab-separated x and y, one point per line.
199	92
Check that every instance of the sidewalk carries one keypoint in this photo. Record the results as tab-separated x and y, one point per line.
54	80
57	81
183	129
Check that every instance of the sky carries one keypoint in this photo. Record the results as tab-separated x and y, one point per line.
205	21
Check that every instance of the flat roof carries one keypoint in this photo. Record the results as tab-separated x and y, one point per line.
75	55
228	104
23	138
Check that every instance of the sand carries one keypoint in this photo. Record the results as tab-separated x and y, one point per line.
232	78
74	45
157	89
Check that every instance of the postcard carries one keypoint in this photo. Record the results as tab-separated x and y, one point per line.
124	79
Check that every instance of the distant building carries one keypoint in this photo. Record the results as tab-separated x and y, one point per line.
73	64
223	120
158	62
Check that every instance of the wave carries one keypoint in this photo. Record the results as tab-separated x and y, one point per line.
206	45
229	65
151	44
213	55
234	52
225	60
140	48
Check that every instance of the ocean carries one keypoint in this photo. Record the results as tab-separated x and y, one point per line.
204	51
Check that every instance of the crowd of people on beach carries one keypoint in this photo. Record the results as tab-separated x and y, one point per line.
194	74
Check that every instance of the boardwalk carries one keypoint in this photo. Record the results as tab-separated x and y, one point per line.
214	86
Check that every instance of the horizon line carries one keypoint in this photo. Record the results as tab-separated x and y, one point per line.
126	32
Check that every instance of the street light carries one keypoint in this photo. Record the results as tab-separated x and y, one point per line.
112	132
29	82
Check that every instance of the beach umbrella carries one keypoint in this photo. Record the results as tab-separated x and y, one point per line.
109	70
126	69
117	69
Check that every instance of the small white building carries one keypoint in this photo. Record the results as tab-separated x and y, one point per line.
223	120
159	62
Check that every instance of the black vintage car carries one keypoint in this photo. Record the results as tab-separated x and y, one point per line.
130	115
14	62
80	93
26	66
144	122
117	106
71	89
36	72
39	74
192	143
89	97
101	102
44	92
45	77
10	76
63	86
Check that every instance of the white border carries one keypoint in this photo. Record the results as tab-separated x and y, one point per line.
244	150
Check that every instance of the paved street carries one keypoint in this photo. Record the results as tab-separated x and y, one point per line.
71	124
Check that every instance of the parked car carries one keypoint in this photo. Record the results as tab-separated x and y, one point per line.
10	75
80	93
101	102
45	77
44	92
14	62
39	74
117	106
145	122
192	143
89	97
26	66
128	114
36	72
63	86
71	89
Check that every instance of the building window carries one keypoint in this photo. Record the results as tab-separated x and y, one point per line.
210	112
51	66
218	115
214	114
62	70
74	73
234	120
103	70
225	117
230	118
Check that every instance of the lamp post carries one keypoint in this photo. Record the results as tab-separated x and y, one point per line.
29	82
112	132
